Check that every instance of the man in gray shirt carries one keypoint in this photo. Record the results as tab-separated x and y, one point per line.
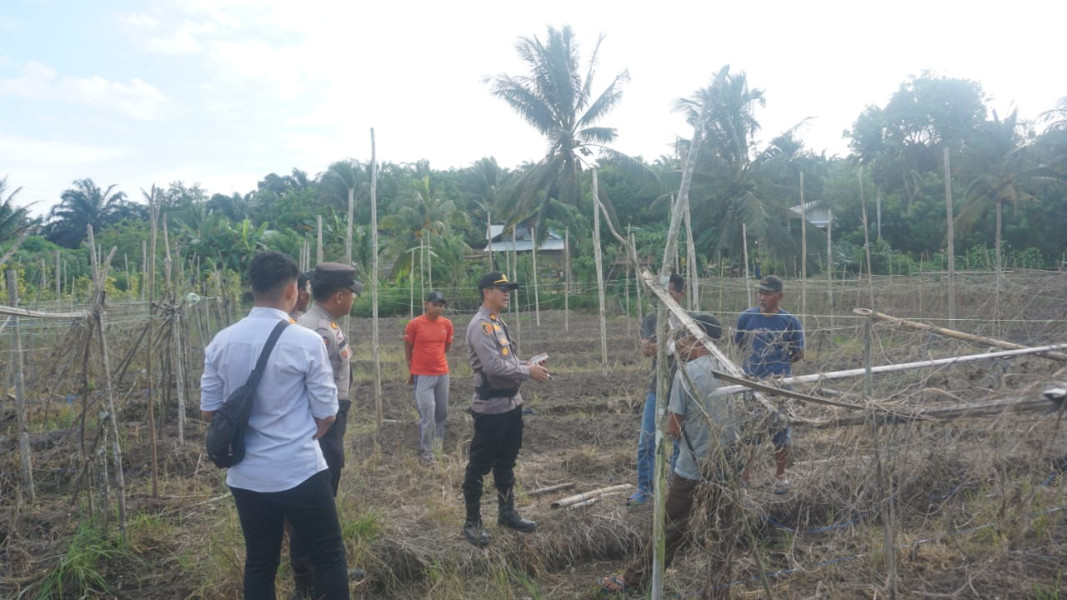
707	430
496	408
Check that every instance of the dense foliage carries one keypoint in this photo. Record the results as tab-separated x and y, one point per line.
1008	178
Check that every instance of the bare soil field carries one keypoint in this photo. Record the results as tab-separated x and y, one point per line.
972	508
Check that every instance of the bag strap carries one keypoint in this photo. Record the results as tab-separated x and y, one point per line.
253	379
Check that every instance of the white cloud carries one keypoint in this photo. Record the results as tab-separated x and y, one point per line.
18	150
136	99
139	20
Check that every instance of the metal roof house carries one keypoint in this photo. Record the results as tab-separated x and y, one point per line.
502	242
817	215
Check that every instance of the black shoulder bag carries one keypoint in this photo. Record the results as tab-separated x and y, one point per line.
225	441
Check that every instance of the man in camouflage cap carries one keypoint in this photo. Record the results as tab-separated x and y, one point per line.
497	409
333	288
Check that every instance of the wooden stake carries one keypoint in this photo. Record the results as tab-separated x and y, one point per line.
950	246
25	459
375	346
598	258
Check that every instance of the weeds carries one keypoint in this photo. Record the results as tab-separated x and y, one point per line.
79	573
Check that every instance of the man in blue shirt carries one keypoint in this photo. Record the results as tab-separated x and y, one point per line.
772	340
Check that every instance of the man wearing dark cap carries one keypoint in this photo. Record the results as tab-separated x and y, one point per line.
772	340
334	288
427	339
706	427
303	294
497	409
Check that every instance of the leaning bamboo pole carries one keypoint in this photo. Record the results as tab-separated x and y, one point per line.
960	335
862	371
599	259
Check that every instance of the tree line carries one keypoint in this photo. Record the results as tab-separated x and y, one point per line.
935	136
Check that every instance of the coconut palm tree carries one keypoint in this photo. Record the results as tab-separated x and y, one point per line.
486	182
87	205
729	177
556	98
13	219
997	164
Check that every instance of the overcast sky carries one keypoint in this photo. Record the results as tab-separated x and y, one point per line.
222	92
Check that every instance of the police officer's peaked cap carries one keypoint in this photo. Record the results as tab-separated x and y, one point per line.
336	275
709	323
496	279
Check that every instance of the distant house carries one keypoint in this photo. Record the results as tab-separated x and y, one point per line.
550	252
817	215
523	240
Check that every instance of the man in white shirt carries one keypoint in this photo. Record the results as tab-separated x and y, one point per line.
283	476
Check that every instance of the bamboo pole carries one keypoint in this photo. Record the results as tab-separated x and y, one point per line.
950	246
599	259
551	488
59	276
569	500
318	245
830	267
171	293
567	279
803	255
669	251
637	282
862	371
537	296
25	458
376	349
116	446
866	312
744	257
149	363
691	262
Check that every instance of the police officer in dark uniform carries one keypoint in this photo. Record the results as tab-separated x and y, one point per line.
496	408
333	288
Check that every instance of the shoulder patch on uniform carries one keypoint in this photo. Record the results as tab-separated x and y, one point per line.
487	328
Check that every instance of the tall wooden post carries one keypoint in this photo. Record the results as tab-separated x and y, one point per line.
744	257
950	248
567	279
25	460
318	245
830	266
376	350
537	294
149	362
803	254
598	258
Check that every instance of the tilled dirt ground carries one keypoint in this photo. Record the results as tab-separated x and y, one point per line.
402	521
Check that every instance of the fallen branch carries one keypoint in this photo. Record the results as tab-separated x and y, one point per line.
960	335
551	488
575	499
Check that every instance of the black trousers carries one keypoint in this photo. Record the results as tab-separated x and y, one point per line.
496	444
309	508
333	450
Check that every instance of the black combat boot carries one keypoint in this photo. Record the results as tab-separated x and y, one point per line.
472	527
509	517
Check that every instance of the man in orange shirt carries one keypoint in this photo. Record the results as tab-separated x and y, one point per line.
426	340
